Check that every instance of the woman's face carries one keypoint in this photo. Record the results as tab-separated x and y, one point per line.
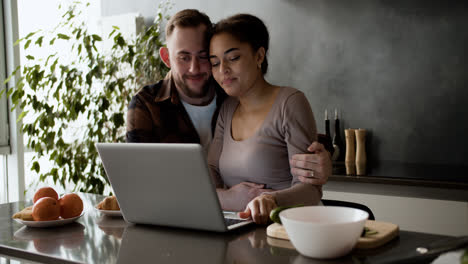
235	66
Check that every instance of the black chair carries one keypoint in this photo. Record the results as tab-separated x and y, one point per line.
349	204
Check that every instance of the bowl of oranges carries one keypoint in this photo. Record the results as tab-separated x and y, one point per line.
50	210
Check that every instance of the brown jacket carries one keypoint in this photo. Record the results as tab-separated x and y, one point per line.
156	115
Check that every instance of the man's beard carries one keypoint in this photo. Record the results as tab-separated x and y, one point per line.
182	84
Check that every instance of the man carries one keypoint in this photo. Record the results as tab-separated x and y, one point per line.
183	108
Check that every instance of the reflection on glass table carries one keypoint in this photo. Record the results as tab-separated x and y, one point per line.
48	240
112	226
168	244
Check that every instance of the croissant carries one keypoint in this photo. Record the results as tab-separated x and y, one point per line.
25	214
109	203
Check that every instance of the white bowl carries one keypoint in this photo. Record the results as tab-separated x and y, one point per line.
323	232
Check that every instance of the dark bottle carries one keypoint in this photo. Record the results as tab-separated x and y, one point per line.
327	127
338	145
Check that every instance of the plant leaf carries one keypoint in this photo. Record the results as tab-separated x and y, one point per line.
36	167
39	41
20	117
96	37
112	33
63	36
8	79
26	46
30	34
17	42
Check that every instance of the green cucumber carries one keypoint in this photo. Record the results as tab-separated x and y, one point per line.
274	214
368	232
464	257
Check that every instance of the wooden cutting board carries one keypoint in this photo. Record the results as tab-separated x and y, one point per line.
385	233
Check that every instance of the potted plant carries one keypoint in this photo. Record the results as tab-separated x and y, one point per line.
69	106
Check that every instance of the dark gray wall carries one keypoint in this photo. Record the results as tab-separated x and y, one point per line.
396	68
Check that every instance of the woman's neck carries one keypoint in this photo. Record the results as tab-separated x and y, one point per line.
255	97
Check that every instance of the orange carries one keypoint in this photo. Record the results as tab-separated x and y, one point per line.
46	245
45	192
74	238
46	209
71	205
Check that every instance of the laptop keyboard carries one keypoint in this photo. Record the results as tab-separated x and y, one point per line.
230	221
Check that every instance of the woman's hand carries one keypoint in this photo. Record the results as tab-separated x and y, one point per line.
238	196
259	208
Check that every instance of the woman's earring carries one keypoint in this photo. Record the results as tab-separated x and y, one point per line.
259	66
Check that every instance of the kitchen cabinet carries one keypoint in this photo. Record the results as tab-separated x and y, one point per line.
413	208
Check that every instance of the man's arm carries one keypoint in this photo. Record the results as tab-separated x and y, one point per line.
139	123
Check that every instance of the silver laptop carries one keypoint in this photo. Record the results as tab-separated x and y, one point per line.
165	184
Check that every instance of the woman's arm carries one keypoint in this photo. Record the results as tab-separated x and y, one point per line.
299	130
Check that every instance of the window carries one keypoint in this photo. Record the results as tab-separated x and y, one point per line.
11	156
36	15
17	19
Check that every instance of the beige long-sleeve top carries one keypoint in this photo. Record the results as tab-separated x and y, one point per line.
288	129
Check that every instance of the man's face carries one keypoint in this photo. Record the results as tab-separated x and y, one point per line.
188	56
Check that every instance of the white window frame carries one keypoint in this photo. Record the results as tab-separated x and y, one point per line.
14	182
3	180
4	127
4	130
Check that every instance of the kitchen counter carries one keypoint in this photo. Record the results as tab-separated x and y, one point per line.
95	238
397	173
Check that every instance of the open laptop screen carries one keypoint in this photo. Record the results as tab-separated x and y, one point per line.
163	184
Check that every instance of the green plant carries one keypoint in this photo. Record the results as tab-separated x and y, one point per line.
69	106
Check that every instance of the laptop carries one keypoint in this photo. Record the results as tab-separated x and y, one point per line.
165	184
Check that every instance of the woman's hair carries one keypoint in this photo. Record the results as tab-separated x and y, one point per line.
246	28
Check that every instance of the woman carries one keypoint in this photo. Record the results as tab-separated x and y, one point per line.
260	127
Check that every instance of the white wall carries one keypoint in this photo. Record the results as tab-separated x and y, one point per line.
383	64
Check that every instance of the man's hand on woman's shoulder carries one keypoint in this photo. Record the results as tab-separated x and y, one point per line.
315	167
